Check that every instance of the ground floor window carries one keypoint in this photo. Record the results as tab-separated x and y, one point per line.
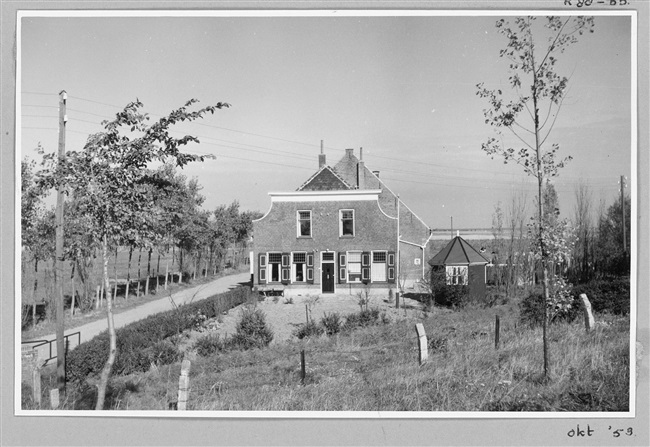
456	275
274	263
354	266
378	268
299	266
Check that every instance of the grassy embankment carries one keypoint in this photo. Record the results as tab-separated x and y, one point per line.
376	369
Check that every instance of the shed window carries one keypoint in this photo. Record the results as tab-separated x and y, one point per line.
456	275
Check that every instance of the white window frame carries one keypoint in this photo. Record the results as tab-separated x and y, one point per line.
354	223
333	262
298	223
385	264
293	269
269	269
347	267
462	273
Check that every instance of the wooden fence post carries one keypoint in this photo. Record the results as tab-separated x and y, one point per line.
302	367
422	342
586	309
496	333
183	385
396	300
54	398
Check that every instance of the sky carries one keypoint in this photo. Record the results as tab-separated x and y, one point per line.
403	88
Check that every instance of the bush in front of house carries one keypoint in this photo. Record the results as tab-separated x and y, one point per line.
309	329
139	344
251	330
362	318
452	295
332	323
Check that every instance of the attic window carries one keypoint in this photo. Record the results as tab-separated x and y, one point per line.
346	223
304	223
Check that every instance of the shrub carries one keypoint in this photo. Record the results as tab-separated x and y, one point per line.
456	296
332	323
607	295
209	344
309	329
531	309
252	330
361	319
135	342
163	353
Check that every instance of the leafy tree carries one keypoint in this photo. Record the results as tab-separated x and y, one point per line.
610	256
113	174
529	109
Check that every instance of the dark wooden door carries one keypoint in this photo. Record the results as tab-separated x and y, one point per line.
328	277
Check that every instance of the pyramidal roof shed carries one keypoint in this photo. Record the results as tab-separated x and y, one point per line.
458	252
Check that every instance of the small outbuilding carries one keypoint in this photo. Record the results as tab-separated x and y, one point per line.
463	265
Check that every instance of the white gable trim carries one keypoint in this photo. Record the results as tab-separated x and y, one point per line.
325	196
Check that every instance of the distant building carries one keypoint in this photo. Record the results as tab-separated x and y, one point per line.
463	265
341	231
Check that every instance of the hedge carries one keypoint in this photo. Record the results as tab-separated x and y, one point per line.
139	344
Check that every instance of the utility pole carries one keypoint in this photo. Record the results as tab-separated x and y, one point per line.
60	316
623	213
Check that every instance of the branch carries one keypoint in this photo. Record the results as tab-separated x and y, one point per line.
559	106
520	139
550	48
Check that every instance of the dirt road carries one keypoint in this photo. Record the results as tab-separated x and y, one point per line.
197	293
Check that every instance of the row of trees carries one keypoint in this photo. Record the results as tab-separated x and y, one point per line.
196	239
115	197
588	246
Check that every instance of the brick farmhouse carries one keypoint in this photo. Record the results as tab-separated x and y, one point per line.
342	231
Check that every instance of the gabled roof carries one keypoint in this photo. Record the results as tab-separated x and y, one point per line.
458	252
325	179
346	168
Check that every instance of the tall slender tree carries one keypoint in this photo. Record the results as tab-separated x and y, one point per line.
529	109
113	175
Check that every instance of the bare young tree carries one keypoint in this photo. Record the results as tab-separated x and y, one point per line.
528	110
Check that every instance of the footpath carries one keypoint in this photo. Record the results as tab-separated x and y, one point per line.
185	296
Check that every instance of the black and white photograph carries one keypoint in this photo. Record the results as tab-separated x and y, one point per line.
364	225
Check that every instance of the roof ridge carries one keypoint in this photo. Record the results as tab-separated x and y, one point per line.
325	167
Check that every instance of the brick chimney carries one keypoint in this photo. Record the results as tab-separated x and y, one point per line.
321	156
361	167
349	152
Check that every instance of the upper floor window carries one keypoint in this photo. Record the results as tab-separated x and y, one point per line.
346	223
304	223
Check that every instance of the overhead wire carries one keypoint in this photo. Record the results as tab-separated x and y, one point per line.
265	150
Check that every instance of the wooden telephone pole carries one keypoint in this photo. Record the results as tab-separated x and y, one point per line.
60	316
623	213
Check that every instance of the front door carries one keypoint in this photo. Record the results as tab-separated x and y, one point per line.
328	277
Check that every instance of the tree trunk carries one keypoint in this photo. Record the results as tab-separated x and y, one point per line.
34	292
158	273
128	275
139	271
540	215
106	372
73	290
115	277
146	286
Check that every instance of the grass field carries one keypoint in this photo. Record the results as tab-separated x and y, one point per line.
377	369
